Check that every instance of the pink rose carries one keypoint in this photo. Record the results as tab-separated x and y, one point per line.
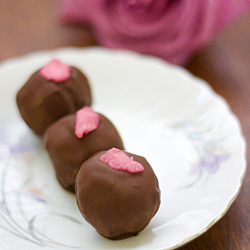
171	29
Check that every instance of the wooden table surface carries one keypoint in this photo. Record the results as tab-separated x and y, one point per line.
30	25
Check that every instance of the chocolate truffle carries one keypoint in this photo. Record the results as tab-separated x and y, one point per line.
117	200
50	93
74	138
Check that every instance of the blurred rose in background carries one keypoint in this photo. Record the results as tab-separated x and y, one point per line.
170	29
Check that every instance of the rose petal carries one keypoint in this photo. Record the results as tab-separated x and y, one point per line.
86	121
56	71
119	160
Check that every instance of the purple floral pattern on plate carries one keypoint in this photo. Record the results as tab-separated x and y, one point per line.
19	145
210	161
210	149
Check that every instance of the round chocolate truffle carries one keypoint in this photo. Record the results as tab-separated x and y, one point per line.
50	93
68	150
117	202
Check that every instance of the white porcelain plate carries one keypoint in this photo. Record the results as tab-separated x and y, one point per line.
186	132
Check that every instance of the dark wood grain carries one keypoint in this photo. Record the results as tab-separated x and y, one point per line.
30	25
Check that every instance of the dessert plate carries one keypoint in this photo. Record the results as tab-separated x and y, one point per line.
183	128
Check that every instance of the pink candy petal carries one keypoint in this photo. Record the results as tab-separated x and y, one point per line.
86	121
56	71
118	160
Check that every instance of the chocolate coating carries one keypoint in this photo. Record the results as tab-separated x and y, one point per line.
118	204
41	102
68	152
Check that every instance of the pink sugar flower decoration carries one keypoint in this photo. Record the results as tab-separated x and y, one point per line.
86	121
119	160
56	71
